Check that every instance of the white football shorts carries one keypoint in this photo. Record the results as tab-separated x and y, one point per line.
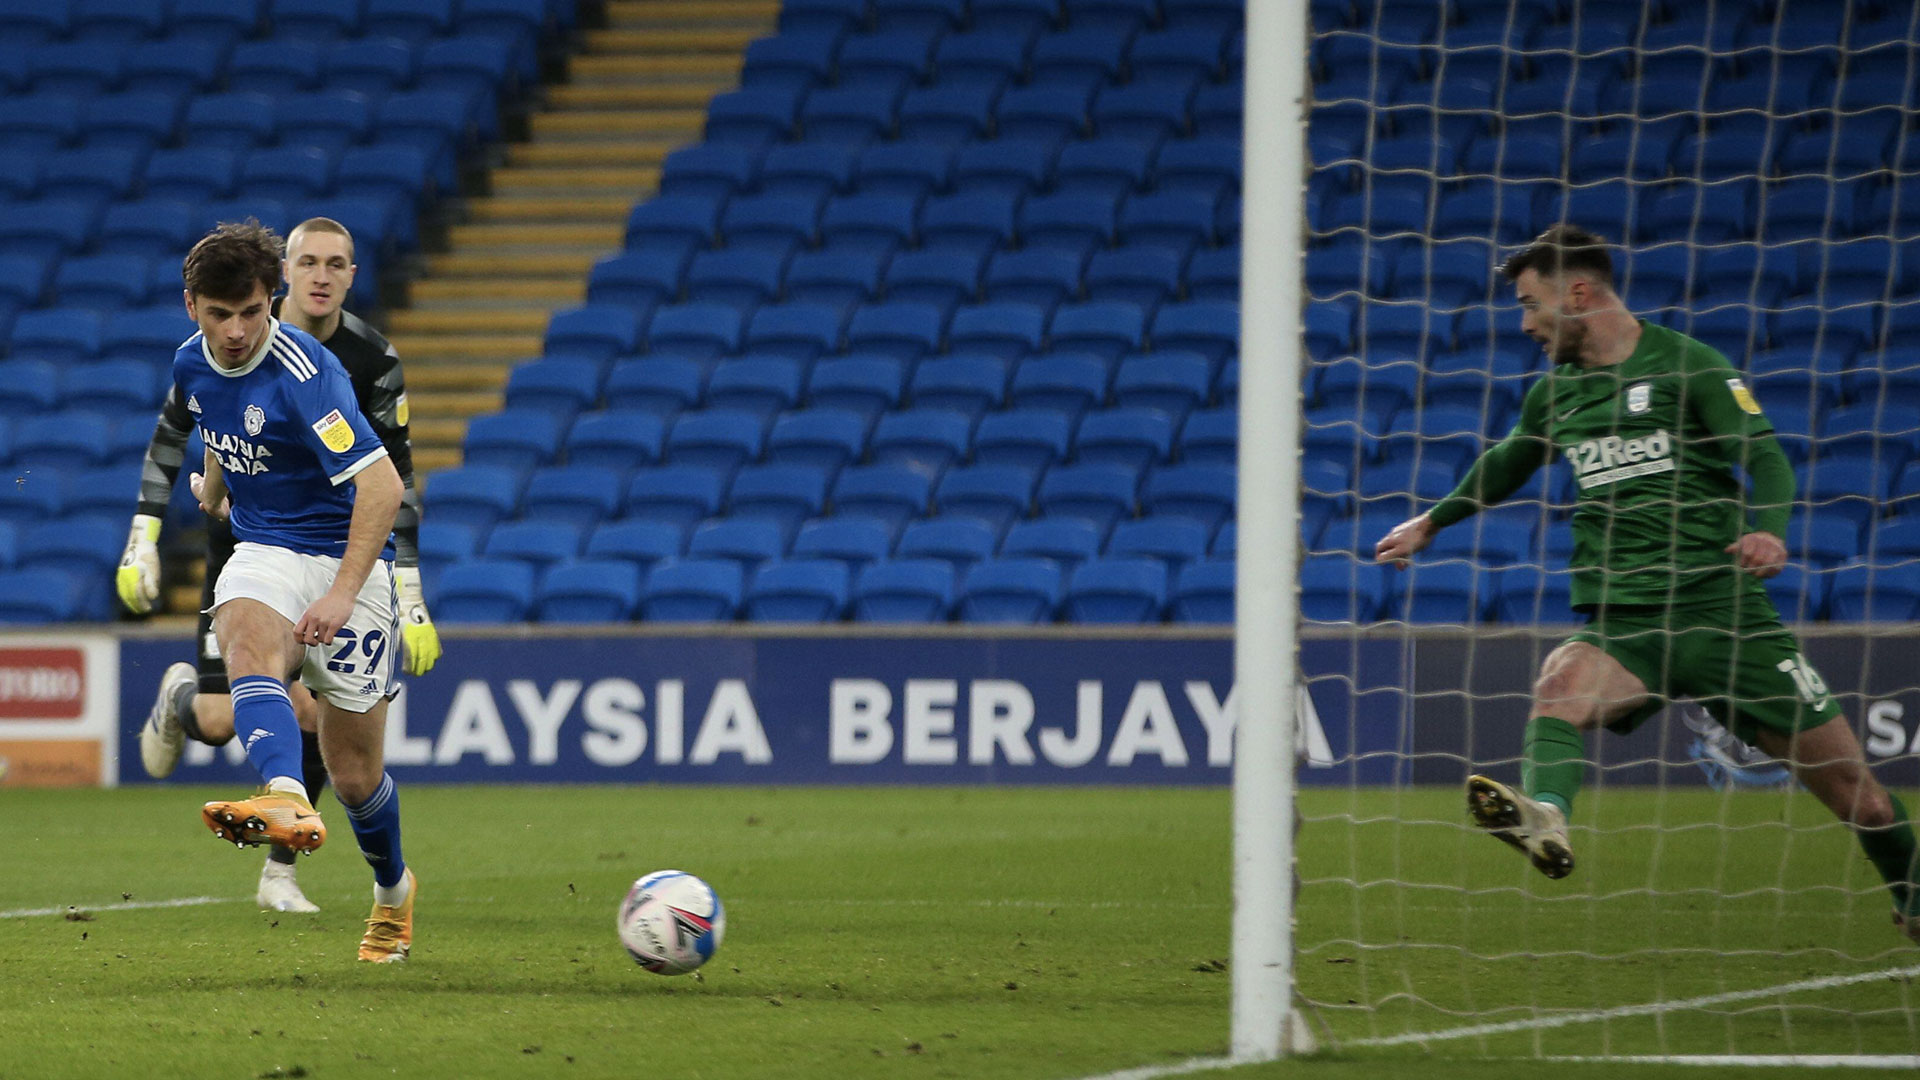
355	672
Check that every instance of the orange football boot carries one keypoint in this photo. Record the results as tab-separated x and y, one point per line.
389	934
270	817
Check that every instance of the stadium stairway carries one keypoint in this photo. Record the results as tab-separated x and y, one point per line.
637	89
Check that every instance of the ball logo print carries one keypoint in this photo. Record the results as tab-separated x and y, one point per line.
671	922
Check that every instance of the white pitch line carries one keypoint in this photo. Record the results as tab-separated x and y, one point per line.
1652	1008
130	905
1811	1061
1153	1072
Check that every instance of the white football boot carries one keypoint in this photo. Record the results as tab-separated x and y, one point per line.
279	891
1537	830
161	737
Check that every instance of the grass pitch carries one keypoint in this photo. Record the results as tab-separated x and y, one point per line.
1016	933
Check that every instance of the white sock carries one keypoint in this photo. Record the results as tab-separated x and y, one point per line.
287	785
394	895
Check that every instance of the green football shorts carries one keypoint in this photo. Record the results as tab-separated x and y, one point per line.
1747	670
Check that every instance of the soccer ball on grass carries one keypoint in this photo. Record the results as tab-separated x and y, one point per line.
671	922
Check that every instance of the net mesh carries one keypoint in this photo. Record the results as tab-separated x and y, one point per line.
1755	164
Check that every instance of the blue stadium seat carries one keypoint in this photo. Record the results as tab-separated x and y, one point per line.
1011	590
1068	221
831	16
1117	590
1442	592
329	119
137	121
1098	494
588	591
29	387
1065	541
796	60
596	333
104	282
746	541
441	122
150	331
849	540
1133	437
518	439
865	385
710	172
192	173
40	123
1171	541
928	439
1210	328
992	58
722	439
1202	592
83	548
1007	169
913	170
577	495
889	493
903	590
81	68
412	21
945	279
906	331
1149	108
1336	588
973	222
677	494
1043	112
867	226
115	387
42	496
885	62
813	170
998	328
1526	596
316	19
755	116
1141	275
737	277
441	545
947	113
823	438
692	590
1108	329
661	385
799	331
474	495
1862	593
287	173
1203	492
920	16
484	591
798	590
1030	439
61	439
696	331
539	543
371	66
1080	55
1023	16
1171	380
994	494
63	335
274	66
48	227
616	440
154	227
957	539
173	67
641	542
563	386
39	596
964	383
785	494
232	121
777	223
640	280
1039	277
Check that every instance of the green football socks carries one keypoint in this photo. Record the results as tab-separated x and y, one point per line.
1891	850
1554	762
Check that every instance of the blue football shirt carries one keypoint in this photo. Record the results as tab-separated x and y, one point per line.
288	432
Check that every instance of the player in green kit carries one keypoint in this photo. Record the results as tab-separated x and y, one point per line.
1670	549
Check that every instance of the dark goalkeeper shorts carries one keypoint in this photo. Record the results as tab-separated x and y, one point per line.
213	669
1746	670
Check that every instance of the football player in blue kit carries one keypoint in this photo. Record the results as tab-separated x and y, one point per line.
311	496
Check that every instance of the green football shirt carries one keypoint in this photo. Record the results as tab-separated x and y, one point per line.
1653	442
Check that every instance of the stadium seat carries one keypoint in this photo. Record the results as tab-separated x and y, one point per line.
1040	277
1011	590
1005	168
588	591
868	226
1116	590
920	16
152	227
578	496
885	62
102	282
1003	329
117	387
1108	329
759	385
1025	16
813	170
889	493
662	385
994	494
991	58
1202	592
795	60
473	495
737	277
1862	593
616	440
674	224
785	494
1337	588
39	596
1066	541
1203	492
518	439
24	278
849	540
753	116
1131	436
958	540
42	496
231	121
710	171
1100	495
927	439
596	333
539	543
747	541
484	591
696	331
777	223
1173	381
910	170
63	335
970	221
676	494
563	387
137	120
29	387
1141	275
963	382
640	280
722	439
639	542
1211	329
412	21
903	590
798	590
821	437
1170	540
273	67
906	331
944	279
692	590
1029	438
40	123
1068	221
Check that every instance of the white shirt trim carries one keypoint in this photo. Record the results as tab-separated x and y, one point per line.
259	354
352	470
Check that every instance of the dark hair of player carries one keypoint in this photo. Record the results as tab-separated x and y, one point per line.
1563	249
230	260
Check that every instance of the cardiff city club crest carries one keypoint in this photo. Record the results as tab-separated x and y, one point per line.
255	419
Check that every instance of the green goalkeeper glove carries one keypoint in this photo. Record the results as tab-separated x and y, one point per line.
416	626
138	579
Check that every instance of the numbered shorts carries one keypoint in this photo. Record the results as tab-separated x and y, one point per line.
1746	670
355	672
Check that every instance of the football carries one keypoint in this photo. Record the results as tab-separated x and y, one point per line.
671	922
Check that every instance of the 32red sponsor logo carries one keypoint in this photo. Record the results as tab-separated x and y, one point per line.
42	684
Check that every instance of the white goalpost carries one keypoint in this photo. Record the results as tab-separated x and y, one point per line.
1266	614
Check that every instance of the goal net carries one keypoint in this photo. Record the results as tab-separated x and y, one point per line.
1755	164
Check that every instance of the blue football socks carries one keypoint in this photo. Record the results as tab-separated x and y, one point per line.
376	824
